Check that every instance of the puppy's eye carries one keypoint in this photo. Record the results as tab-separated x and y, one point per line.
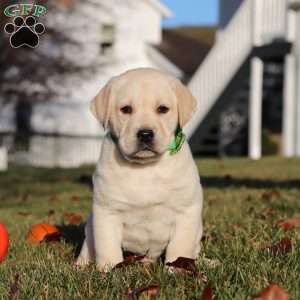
162	109
126	110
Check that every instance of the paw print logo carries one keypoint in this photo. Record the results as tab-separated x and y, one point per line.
24	32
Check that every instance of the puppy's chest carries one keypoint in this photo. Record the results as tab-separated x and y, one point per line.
148	217
146	191
147	231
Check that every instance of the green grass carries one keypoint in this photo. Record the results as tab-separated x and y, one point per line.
237	230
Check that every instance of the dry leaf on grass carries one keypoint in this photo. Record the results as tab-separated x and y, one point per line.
274	194
280	248
268	212
289	223
25	198
24	214
207	293
54	198
129	261
272	292
149	291
186	266
14	288
75	199
72	218
51	213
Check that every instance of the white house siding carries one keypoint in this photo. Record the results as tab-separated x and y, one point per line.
63	152
150	22
7	116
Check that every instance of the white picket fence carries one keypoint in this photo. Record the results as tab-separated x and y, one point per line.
257	22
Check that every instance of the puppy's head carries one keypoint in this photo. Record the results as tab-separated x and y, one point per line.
142	108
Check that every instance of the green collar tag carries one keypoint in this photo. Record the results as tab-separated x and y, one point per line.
177	142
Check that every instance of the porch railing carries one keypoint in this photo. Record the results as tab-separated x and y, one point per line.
255	23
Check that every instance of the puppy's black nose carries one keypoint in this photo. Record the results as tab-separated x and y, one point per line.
145	136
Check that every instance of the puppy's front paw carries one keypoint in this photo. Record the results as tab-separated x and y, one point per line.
81	262
86	254
106	265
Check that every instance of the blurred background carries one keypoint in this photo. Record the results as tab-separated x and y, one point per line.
240	58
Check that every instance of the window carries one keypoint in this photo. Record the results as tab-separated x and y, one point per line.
108	38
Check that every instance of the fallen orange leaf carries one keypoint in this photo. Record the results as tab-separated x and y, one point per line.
75	198
72	218
207	293
272	292
129	261
43	232
289	223
149	291
282	247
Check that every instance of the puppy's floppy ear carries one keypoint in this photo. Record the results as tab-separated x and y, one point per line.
101	105
186	102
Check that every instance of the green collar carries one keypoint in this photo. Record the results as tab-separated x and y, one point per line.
174	147
177	142
113	137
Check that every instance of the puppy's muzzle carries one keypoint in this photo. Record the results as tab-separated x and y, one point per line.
145	137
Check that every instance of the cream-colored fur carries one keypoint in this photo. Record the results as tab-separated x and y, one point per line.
145	200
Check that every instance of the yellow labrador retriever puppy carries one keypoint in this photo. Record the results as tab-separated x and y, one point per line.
147	194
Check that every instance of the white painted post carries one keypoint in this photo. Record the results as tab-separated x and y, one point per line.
255	108
289	90
3	159
297	111
289	95
257	11
256	87
297	85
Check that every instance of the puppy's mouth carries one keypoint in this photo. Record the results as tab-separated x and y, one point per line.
144	151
